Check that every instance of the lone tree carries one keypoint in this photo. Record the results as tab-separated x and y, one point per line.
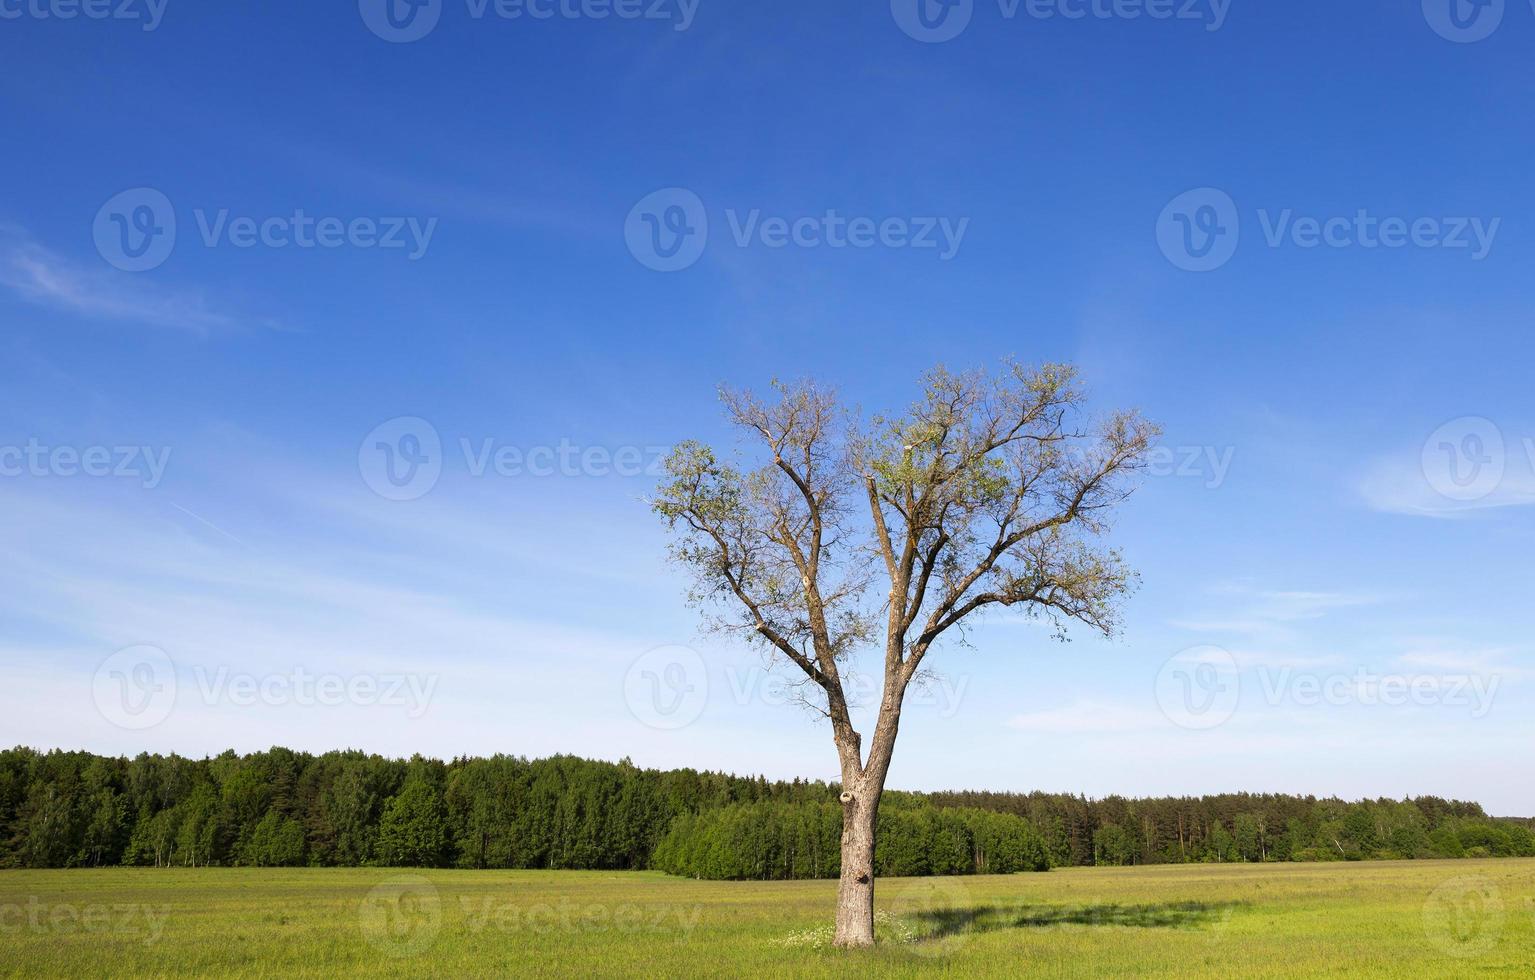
988	491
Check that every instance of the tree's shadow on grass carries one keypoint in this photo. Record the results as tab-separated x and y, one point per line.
941	923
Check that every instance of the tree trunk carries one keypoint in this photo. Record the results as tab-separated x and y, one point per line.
855	892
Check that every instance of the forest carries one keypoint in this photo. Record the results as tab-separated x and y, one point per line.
347	808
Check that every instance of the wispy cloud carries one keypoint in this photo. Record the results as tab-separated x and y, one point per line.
1293	604
39	275
563	209
1269	612
1397	485
1273	660
1487	661
1089	718
97	571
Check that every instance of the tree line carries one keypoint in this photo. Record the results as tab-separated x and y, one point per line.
783	840
286	808
1255	827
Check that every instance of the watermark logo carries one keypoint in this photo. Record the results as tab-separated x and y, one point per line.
402	916
143	463
124	920
667	687
490	456
135	688
135	230
756	685
1207	463
150	12
1199	229
403	21
413	692
491	914
1364	230
935	21
932	21
1464	917
400	21
833	230
302	230
1199	688
401	459
1210	464
1371	689
667	230
1463	21
1464	459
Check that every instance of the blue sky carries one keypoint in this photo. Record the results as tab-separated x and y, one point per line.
491	187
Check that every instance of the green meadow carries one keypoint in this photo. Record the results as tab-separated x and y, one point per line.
1472	918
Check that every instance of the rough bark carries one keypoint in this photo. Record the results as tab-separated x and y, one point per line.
855	891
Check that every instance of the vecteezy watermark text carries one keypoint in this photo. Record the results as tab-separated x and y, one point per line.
1370	688
1208	463
135	230
138	687
402	459
488	913
143	463
832	230
403	21
565	458
148	12
1364	230
1201	688
300	687
127	919
668	229
301	230
403	916
936	21
668	687
1199	230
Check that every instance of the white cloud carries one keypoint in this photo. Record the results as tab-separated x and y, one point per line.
1294	604
1398	486
1089	718
90	570
1269	659
41	276
1270	613
1487	661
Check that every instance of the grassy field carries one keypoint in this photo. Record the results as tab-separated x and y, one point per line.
1408	919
